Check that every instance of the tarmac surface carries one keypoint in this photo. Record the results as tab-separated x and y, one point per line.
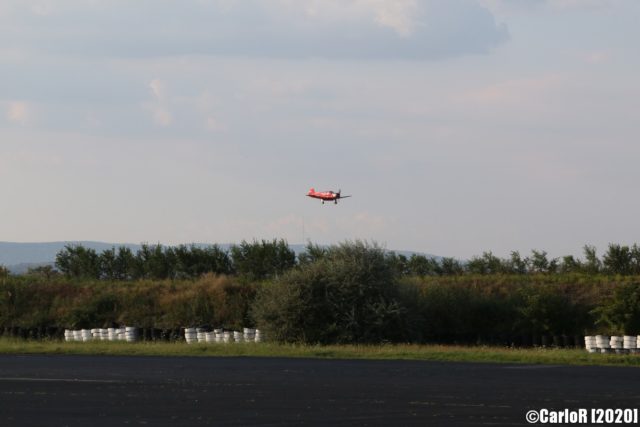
188	391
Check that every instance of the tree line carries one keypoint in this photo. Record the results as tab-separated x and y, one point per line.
256	260
348	293
260	260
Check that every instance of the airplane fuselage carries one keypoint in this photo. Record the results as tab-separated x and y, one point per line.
328	196
324	195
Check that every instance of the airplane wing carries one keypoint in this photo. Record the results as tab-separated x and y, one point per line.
344	197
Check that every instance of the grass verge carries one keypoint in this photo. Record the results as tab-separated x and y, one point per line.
442	353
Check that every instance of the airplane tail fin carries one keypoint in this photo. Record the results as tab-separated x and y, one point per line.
312	190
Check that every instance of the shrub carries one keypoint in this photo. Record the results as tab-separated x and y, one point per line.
349	295
620	313
459	313
545	310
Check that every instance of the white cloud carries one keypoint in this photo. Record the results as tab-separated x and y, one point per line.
158	89
213	124
160	109
513	93
398	15
597	57
162	117
336	29
18	112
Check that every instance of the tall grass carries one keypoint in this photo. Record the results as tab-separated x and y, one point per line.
440	353
218	300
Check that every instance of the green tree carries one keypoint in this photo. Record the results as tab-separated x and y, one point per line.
45	272
193	261
539	261
420	265
517	264
262	260
311	254
620	314
546	310
486	264
592	264
399	263
348	296
618	260
155	262
635	259
570	265
125	264
78	262
108	264
450	267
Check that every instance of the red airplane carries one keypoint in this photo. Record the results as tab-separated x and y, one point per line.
326	195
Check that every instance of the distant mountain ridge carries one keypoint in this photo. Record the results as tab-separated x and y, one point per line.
19	257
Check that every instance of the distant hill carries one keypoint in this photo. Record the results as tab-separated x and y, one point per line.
19	257
12	253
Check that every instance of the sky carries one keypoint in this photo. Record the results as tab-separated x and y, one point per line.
459	126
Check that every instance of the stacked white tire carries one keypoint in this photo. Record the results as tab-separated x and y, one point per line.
190	335
249	335
590	344
630	343
603	343
617	344
131	334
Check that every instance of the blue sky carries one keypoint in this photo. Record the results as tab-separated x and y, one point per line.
459	126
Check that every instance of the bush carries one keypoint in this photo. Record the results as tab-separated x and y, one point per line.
460	313
545	310
620	313
349	295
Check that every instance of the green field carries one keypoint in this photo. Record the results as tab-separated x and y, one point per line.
383	352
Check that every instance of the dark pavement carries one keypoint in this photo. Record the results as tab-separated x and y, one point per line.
180	391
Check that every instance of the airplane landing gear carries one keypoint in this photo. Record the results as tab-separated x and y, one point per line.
335	202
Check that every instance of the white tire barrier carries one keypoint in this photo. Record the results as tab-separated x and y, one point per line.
590	344
612	344
630	342
603	343
615	342
131	334
249	335
191	335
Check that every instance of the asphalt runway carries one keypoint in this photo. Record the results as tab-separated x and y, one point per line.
180	391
